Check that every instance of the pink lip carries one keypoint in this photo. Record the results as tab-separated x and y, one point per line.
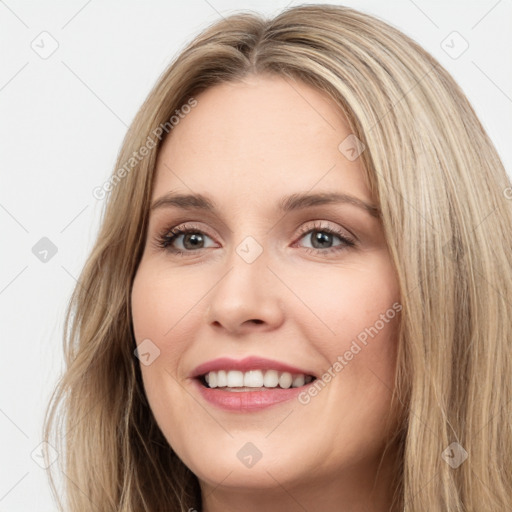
246	364
246	401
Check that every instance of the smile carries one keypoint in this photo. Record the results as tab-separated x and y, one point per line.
250	384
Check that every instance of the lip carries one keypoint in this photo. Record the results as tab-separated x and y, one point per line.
246	364
246	401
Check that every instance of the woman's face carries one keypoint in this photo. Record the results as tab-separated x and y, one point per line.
273	282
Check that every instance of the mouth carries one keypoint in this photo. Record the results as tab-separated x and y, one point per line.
251	391
249	384
253	380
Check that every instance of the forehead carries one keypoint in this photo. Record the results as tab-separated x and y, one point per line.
257	139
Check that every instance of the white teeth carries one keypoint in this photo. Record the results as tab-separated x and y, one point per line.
255	379
271	379
222	379
285	380
298	381
235	379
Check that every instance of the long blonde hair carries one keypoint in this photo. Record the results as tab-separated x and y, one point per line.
441	190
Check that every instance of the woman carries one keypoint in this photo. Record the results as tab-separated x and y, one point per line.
220	357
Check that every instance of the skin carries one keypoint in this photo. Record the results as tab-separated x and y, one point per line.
245	145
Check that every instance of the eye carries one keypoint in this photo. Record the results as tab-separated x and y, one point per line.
193	239
321	239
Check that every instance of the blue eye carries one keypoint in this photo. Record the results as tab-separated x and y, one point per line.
194	239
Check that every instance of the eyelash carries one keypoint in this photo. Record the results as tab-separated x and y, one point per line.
168	236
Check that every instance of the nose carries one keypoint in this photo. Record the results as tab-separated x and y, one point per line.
246	297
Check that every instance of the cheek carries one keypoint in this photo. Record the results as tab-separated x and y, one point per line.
357	310
162	304
347	302
159	304
163	311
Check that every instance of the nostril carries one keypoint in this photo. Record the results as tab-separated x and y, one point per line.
257	321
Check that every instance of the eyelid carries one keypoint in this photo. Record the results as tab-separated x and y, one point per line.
326	225
183	226
304	228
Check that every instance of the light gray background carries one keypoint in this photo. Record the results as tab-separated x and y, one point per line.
62	120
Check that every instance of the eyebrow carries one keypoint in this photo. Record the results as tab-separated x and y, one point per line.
286	204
